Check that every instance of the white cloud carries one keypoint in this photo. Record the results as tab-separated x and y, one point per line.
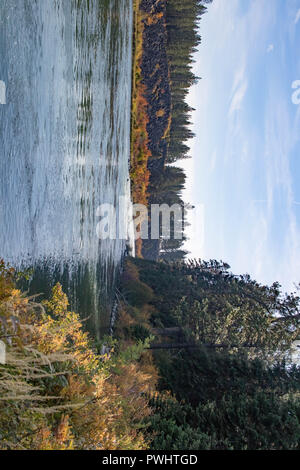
270	222
239	76
280	142
238	98
297	17
233	167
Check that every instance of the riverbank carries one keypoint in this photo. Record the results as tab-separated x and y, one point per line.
58	390
139	150
151	99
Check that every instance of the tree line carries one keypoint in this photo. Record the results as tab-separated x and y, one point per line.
183	40
171	37
236	388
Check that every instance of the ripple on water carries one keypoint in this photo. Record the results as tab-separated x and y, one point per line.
64	136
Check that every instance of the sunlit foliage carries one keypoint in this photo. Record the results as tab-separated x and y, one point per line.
56	390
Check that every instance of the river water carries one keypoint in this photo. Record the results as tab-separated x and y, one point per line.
64	143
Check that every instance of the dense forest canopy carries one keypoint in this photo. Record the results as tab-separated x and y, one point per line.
222	347
170	39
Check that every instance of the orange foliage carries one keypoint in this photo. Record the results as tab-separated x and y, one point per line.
160	113
154	18
6	280
140	152
57	392
138	248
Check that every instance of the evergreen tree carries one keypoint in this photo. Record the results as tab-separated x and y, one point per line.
226	402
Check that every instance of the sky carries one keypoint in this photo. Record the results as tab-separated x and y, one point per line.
243	177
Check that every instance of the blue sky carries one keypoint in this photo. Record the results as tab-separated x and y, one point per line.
245	169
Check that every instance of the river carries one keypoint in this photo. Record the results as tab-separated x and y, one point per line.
64	143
